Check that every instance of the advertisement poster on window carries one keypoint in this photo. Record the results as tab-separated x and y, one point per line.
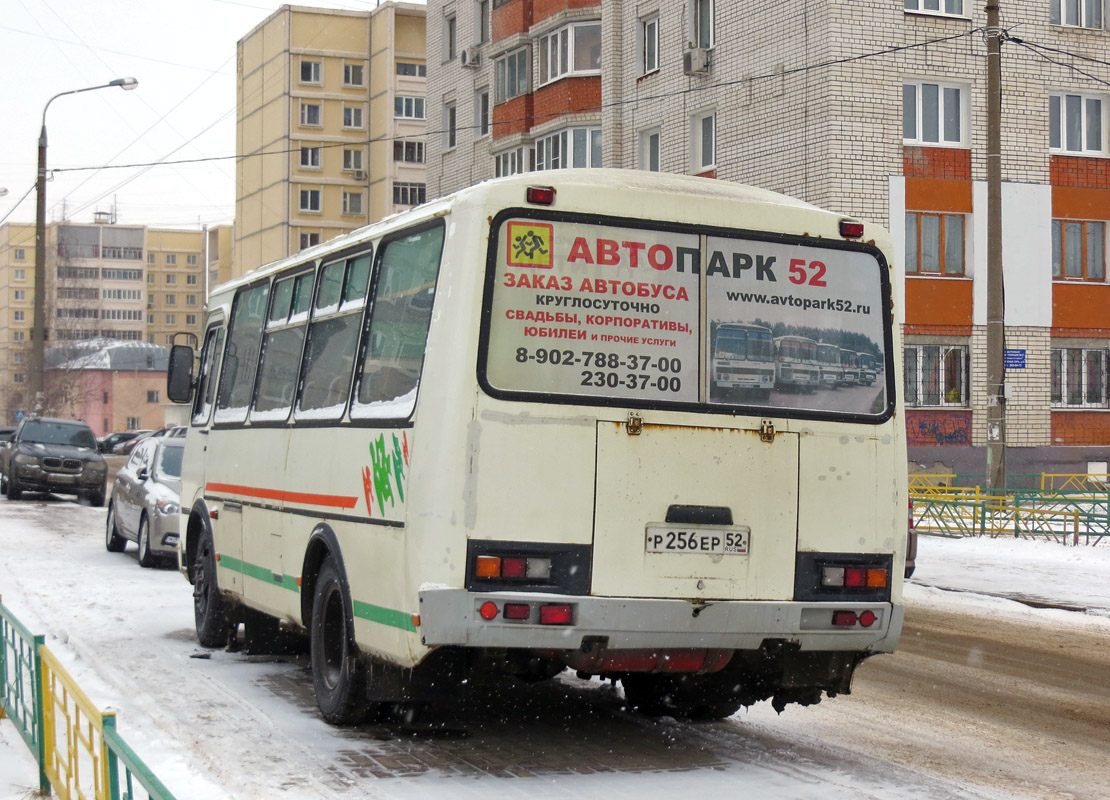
588	310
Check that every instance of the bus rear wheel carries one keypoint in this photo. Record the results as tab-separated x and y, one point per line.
686	697
209	608
338	676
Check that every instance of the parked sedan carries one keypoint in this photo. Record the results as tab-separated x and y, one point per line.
53	455
108	443
146	499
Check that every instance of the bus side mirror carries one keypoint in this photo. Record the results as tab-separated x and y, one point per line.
179	378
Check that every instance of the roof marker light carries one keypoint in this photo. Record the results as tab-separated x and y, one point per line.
541	195
850	229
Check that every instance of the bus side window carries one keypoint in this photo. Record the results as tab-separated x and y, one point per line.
397	332
206	385
241	355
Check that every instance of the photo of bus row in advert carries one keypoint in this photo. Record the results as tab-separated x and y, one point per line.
583	309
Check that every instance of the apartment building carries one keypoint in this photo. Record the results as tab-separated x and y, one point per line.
877	111
104	280
330	125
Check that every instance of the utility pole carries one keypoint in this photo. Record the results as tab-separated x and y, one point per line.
996	302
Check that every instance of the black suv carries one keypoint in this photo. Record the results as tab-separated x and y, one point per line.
53	455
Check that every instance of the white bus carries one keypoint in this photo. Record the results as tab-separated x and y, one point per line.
743	360
478	438
828	360
796	365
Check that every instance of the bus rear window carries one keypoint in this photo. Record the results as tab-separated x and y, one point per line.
585	312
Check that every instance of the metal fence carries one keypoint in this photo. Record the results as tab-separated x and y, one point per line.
1071	509
80	754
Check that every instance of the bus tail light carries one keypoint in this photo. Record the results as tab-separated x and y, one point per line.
850	229
853	577
513	567
517	611
850	619
911	514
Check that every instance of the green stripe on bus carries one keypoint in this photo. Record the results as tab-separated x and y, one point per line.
259	573
384	616
367	611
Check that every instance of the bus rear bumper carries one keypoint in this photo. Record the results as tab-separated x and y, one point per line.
458	617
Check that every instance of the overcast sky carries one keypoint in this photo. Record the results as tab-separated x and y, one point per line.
183	55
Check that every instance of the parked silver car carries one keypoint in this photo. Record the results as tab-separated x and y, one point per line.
146	500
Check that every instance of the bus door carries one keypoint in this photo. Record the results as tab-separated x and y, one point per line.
707	513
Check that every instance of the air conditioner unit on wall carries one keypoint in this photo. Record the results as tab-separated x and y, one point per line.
469	57
360	175
695	61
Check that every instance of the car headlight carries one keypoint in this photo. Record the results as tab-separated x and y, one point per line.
20	458
167	507
96	467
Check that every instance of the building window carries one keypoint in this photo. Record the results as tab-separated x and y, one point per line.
511	75
310	200
932	113
352	202
936	375
514	162
310	71
573	147
406	107
191	280
451	131
481	112
352	74
411	70
19	377
483	21
150	258
20	295
190	319
152	395
1077	13
20	254
572	50
19	336
310	157
17	357
352	159
408	194
171	319
412	152
934	244
649	44
171	279
352	116
171	261
309	239
701	23
450	38
1078	378
190	299
171	299
310	114
947	7
1076	123
649	149
190	261
1078	250
19	275
703	142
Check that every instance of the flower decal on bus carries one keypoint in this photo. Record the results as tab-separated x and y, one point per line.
385	476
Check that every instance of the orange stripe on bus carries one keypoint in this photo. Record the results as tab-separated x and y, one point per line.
329	500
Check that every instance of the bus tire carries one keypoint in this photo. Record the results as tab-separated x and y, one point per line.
338	677
684	697
209	608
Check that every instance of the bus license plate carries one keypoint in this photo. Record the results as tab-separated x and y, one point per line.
694	539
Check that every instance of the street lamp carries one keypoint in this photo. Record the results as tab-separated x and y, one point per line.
38	327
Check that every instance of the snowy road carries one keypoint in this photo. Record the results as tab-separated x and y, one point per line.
985	698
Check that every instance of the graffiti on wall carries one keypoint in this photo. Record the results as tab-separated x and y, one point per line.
924	429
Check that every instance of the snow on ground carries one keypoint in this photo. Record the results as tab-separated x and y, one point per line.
52	555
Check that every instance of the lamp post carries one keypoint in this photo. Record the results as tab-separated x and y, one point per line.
38	327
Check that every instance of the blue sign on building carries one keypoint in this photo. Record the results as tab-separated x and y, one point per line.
1014	359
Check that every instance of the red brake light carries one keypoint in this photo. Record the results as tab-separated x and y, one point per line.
844	619
513	567
555	615
855	576
488	610
867	619
517	611
540	195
